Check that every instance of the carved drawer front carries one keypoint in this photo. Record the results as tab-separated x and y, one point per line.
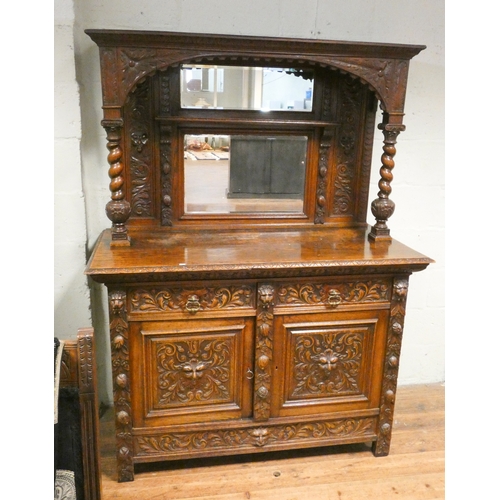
332	294
190	371
191	301
331	362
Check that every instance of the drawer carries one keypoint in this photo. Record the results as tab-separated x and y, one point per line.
333	293
192	300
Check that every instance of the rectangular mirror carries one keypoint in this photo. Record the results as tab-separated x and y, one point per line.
244	174
250	88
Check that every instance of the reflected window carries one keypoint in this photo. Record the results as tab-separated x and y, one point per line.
245	174
242	87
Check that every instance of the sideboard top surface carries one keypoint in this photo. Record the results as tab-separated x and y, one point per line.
254	253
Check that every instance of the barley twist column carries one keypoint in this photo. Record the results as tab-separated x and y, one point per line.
383	207
118	208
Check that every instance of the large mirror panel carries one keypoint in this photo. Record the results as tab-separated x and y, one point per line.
250	88
244	174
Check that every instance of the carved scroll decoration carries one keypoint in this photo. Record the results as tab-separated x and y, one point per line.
263	353
391	367
194	371
319	293
254	437
177	299
327	364
382	75
119	331
139	114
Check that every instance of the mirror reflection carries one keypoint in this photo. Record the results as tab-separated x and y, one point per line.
251	88
244	173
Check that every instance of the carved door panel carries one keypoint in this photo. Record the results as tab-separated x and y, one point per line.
328	362
191	371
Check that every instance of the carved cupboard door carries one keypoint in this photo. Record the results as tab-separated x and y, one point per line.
191	370
328	361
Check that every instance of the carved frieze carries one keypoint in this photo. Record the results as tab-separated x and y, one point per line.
320	293
254	437
191	300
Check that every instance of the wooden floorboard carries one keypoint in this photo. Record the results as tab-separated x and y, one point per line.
414	470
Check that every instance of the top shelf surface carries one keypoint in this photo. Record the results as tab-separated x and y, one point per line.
157	255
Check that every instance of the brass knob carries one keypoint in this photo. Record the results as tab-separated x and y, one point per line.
334	298
193	304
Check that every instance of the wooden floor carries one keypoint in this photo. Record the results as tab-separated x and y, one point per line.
413	470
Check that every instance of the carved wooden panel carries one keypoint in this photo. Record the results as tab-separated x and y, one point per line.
140	150
349	143
194	370
328	362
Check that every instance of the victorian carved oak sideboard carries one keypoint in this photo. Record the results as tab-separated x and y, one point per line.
270	320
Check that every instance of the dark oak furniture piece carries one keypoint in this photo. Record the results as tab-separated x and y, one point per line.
77	431
243	332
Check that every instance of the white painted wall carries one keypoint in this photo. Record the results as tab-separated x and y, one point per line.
71	292
418	186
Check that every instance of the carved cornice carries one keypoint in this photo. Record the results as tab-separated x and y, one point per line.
127	57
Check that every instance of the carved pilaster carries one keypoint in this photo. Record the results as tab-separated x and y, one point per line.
383	207
264	353
322	182
166	174
121	383
118	209
393	350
